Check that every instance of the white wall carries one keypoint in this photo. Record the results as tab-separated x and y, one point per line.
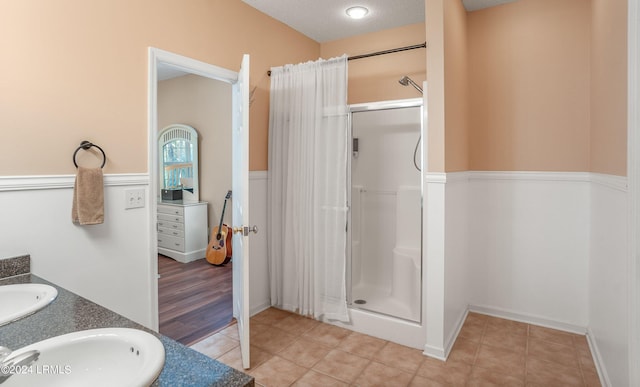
457	262
529	246
633	168
260	294
512	244
107	263
433	264
544	248
608	279
447	262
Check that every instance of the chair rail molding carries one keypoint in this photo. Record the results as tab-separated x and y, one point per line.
36	182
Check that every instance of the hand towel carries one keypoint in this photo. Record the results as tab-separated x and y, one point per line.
88	197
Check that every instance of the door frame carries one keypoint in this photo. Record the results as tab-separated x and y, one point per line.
633	176
185	65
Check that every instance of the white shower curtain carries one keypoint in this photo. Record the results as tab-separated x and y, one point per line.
307	188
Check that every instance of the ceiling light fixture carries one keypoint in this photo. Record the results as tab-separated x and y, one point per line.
357	12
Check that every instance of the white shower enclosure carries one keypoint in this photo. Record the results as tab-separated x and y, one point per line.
385	255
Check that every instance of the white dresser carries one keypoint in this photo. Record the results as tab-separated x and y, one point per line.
182	230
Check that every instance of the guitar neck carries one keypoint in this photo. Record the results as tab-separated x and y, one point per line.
224	207
219	235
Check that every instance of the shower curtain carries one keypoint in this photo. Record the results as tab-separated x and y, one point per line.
307	188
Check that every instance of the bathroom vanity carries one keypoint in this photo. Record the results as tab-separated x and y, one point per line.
71	313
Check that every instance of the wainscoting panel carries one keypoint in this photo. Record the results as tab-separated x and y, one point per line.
609	335
107	263
457	269
433	264
259	297
529	244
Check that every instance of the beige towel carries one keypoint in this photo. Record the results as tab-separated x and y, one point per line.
88	197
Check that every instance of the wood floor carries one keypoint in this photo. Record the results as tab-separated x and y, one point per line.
194	299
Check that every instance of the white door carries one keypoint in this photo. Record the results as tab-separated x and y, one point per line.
240	200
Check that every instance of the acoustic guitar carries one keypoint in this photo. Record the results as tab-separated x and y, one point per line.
219	247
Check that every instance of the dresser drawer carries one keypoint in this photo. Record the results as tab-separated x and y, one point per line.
169	242
171	210
170	225
171	232
182	230
171	218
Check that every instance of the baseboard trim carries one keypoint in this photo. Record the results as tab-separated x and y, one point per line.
528	318
509	315
443	353
451	340
597	359
255	309
435	352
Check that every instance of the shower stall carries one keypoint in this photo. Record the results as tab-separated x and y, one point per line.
384	270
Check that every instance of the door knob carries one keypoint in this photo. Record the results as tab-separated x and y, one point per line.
245	230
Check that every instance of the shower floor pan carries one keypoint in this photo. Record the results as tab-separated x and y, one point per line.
379	300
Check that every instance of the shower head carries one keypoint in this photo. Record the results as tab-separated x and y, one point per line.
406	81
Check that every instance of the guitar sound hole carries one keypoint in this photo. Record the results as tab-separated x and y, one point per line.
360	302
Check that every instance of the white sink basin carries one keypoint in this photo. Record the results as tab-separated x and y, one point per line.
95	357
20	300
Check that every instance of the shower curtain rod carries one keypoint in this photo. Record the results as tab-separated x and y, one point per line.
390	51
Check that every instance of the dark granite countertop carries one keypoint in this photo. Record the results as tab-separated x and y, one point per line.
70	312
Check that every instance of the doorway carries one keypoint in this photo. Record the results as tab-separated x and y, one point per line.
194	299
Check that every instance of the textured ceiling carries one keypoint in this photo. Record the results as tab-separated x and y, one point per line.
474	5
326	20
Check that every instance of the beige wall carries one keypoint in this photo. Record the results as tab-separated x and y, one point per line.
435	27
456	85
546	78
75	70
204	104
609	87
529	86
376	78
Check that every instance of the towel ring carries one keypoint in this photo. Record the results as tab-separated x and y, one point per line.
86	145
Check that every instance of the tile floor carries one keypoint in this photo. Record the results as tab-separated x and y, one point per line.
290	350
